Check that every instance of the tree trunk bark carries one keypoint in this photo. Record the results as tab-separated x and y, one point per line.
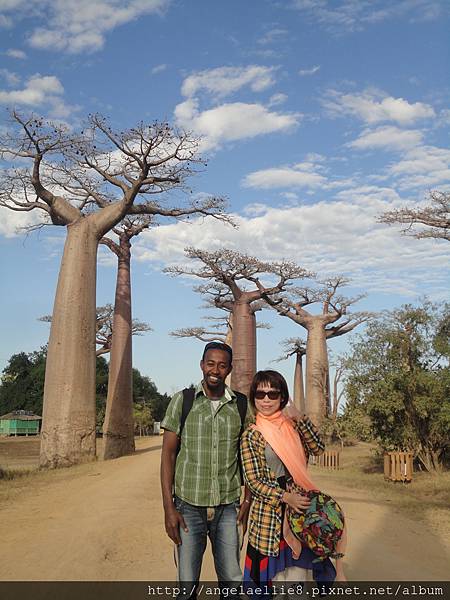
229	341
118	427
68	426
316	372
244	347
299	392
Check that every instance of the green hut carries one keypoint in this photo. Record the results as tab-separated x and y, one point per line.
19	422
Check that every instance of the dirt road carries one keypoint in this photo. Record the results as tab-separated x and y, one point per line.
103	521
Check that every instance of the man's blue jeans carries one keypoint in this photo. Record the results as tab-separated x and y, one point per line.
222	531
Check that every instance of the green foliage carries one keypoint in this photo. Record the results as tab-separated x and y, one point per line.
22	387
22	382
143	419
398	376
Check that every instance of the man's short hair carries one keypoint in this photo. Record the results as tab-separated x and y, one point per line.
218	346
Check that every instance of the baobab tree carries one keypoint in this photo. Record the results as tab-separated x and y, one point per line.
87	182
334	320
104	328
435	218
235	272
118	427
296	347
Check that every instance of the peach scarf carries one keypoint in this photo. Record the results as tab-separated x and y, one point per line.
278	431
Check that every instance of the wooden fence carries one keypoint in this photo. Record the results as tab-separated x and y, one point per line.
328	460
398	466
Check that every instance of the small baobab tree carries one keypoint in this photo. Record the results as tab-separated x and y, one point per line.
433	220
87	181
296	347
334	320
104	328
240	292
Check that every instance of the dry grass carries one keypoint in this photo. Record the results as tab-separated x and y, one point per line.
426	498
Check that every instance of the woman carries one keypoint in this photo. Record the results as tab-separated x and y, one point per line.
273	450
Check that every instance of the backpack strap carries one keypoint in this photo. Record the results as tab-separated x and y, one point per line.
241	400
188	401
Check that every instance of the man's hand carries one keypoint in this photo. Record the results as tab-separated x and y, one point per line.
242	517
173	520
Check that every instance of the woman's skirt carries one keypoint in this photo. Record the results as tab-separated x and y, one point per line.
260	571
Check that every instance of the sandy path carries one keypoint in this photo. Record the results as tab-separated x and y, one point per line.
104	521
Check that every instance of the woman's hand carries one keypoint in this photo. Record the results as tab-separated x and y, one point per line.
296	501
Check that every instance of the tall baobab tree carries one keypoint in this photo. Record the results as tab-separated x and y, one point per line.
118	427
435	218
296	347
87	182
235	272
334	320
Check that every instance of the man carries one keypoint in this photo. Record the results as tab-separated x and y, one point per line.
200	477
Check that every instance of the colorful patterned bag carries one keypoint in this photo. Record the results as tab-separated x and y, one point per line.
319	527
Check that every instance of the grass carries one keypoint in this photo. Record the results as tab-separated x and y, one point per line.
426	498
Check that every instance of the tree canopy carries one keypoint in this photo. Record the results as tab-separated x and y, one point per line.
399	375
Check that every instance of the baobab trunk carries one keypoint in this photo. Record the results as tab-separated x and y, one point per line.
299	392
229	341
118	427
244	347
68	425
316	372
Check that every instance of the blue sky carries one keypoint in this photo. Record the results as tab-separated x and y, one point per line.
315	117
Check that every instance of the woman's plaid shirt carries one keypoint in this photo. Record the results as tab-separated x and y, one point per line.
265	520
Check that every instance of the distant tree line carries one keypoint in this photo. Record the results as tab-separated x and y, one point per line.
22	388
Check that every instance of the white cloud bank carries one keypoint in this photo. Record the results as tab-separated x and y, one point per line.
77	26
374	107
231	122
340	16
387	137
36	92
329	237
223	81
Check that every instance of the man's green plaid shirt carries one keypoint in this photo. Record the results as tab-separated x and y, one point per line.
207	467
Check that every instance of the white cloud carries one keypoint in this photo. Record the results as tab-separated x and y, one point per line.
16	53
425	166
5	22
223	81
158	69
10	77
297	176
81	25
38	90
354	15
310	173
277	99
387	137
310	71
375	107
12	223
274	35
231	122
340	236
